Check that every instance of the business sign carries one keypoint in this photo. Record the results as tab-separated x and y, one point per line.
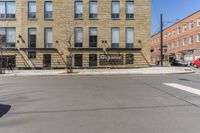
113	59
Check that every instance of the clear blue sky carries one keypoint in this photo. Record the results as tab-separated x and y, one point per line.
171	10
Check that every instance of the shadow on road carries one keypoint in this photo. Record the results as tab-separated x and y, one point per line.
188	80
4	109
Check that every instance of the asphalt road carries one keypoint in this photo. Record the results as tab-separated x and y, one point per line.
99	104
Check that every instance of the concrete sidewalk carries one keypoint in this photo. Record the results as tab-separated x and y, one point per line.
150	70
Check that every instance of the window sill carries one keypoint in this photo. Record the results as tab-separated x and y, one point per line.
78	18
32	19
115	18
130	18
46	19
93	19
8	19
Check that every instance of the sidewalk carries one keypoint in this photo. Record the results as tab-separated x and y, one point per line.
151	70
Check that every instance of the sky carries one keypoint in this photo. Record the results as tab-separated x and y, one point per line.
172	10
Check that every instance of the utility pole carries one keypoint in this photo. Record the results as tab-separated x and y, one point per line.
161	40
1	43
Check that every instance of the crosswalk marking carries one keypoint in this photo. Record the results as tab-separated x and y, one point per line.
184	88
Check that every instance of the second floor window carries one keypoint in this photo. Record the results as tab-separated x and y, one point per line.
32	37
78	37
48	37
185	28
184	41
93	37
129	10
32	10
115	38
190	39
78	10
7	10
179	31
129	37
93	10
115	10
191	25
198	37
48	14
198	22
8	37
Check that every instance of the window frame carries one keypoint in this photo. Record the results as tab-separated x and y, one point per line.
46	18
29	13
76	16
115	16
6	12
78	44
92	15
128	15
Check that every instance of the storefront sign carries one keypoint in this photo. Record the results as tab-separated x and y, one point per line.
113	59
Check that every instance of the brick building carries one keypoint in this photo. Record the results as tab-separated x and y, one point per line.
181	40
47	33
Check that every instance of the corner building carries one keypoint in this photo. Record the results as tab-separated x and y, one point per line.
87	33
181	41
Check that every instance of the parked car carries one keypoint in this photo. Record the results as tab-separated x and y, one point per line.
179	63
196	63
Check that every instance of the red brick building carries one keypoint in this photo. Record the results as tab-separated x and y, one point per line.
181	40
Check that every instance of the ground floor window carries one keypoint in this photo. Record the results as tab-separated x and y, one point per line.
78	60
31	54
8	61
47	60
92	60
129	59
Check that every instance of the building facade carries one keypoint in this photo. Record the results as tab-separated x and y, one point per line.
181	41
82	33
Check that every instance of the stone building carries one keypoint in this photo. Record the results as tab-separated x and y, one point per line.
181	40
85	33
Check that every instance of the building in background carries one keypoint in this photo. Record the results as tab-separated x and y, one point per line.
45	33
181	40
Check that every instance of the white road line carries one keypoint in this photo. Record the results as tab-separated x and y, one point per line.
184	88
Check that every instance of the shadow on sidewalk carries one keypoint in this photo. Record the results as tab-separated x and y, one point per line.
4	109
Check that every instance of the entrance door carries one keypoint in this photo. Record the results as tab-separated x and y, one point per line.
47	61
92	60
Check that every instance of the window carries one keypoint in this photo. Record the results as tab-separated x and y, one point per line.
93	37
168	46
198	21
185	28
191	25
7	10
190	39
32	10
129	10
78	37
92	60
179	30
32	37
78	60
178	44
173	45
78	10
47	60
129	37
48	10
48	37
115	38
169	34
174	32
93	10
115	10
129	59
184	41
198	37
8	37
31	54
